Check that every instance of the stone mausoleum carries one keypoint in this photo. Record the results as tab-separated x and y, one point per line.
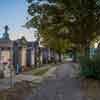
20	53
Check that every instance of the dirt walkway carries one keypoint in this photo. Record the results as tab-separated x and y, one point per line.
62	86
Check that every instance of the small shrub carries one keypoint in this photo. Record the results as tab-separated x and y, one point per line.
40	71
96	61
87	67
90	67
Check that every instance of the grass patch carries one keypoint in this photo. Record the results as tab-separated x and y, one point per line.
40	71
35	84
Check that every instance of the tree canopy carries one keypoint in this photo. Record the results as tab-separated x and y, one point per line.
75	20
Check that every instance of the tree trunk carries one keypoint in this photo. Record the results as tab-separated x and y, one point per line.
60	59
74	56
87	51
35	57
54	57
38	57
84	50
55	61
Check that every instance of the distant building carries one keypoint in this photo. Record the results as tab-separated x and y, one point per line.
20	52
24	53
6	46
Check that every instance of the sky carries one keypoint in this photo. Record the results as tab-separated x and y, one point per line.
14	13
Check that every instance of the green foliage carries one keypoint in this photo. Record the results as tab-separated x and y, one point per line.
87	67
23	42
58	44
97	64
47	26
40	71
75	20
90	67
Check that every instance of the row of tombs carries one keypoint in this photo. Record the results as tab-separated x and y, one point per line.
21	54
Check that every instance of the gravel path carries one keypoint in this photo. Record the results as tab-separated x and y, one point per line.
62	86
